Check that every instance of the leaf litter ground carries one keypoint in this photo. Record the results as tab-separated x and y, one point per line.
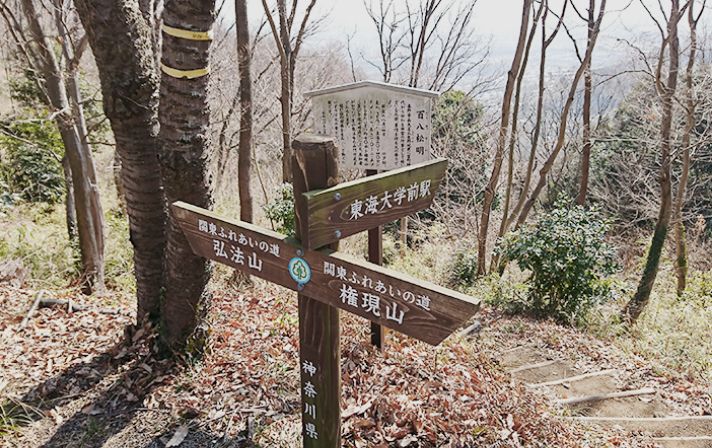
79	380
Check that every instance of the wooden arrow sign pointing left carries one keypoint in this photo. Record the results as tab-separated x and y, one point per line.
414	307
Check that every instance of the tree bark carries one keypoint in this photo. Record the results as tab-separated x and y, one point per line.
561	138
244	161
680	238
184	114
69	120
121	42
667	91
587	93
70	209
491	187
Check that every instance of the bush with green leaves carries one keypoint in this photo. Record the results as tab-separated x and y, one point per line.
30	162
464	268
568	258
280	211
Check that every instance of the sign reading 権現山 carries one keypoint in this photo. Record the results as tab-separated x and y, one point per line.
377	126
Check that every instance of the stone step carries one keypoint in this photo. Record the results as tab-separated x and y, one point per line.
520	356
638	406
542	372
578	386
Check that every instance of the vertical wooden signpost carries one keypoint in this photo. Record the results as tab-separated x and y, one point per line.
315	167
375	256
377	126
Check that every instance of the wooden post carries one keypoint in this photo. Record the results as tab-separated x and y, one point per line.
375	256
314	166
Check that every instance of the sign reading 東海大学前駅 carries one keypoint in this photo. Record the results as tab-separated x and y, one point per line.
352	207
377	126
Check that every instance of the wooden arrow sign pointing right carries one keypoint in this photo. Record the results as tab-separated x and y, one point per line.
420	309
372	201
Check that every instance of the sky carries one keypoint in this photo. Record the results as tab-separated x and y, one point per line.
495	21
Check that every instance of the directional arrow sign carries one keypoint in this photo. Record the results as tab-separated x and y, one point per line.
367	203
414	307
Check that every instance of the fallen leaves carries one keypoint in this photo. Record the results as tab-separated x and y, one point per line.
409	395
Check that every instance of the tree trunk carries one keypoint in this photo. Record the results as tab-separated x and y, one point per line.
244	161
121	42
69	120
491	187
95	209
513	135
561	138
70	206
637	304
587	92
545	42
184	114
286	93
680	238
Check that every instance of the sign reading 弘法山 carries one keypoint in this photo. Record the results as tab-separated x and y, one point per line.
377	126
414	307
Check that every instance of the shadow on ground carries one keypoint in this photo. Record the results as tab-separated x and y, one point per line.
109	390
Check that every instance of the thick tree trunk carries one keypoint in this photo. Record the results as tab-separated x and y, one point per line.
667	91
69	120
244	161
491	187
121	42
184	114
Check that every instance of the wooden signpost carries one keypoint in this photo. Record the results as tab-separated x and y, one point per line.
370	202
328	281
377	126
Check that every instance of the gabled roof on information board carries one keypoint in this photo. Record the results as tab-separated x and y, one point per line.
375	84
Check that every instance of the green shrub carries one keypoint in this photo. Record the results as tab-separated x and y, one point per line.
464	268
510	296
568	258
31	171
280	211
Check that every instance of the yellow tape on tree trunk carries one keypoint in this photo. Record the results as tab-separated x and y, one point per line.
189	74
187	34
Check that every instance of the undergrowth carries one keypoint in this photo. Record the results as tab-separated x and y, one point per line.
672	330
37	235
